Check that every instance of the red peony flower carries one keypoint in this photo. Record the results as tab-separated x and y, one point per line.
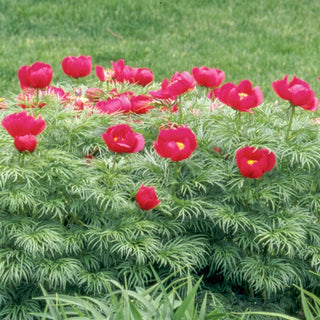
121	72
120	104
253	163
104	74
164	92
21	124
208	77
241	97
176	144
37	76
297	92
77	67
180	83
142	76
27	142
141	104
121	138
146	198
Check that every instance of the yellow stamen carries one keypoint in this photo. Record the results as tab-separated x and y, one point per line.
251	162
242	95
115	138
180	145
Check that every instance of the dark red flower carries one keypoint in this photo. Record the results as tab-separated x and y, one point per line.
120	104
147	198
181	83
176	144
164	92
21	124
142	76
253	163
297	92
121	138
208	77
77	67
27	142
241	97
37	76
121	72
141	104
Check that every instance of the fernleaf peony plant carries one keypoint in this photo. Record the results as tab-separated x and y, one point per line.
75	213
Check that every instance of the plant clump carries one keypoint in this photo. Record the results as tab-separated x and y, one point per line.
108	192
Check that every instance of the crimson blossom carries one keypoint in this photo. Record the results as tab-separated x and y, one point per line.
181	83
119	104
164	92
176	144
21	124
297	92
146	198
25	143
141	104
241	97
76	67
122	73
253	163
122	139
208	77
23	128
142	76
37	76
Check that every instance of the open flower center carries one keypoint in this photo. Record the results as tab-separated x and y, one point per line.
117	138
242	95
109	74
251	162
180	145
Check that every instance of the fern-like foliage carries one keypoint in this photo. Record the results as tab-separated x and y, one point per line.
70	223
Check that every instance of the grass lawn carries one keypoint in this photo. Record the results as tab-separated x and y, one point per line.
260	40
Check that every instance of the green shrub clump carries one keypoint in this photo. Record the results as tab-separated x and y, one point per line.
70	222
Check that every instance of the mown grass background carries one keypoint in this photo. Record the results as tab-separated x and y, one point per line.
261	40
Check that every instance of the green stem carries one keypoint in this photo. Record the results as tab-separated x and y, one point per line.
175	180
238	123
247	200
111	171
264	295
108	86
21	159
179	108
292	107
37	98
207	93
